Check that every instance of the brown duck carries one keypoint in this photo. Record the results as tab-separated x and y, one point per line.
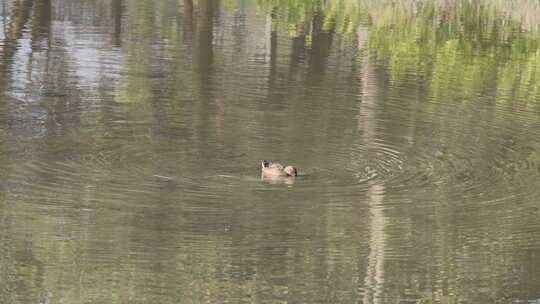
271	169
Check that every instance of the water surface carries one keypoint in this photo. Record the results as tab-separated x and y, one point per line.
131	134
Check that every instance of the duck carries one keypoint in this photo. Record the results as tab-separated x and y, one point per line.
271	169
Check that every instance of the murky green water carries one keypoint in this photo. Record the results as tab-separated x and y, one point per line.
131	134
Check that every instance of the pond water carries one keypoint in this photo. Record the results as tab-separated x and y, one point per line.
131	135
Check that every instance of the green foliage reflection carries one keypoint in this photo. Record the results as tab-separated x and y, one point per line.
473	45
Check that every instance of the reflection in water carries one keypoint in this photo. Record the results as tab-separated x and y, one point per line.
374	280
131	134
13	31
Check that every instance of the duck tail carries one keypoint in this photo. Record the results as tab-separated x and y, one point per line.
265	163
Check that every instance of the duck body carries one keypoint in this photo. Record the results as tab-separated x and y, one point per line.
271	169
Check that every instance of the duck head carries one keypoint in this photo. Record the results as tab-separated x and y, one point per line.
290	171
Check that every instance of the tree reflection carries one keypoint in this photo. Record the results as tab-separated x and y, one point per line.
18	19
117	8
320	47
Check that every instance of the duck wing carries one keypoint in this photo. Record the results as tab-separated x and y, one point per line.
276	166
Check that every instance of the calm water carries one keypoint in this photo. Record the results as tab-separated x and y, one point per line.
131	134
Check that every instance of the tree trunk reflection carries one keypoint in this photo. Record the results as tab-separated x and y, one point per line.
373	282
